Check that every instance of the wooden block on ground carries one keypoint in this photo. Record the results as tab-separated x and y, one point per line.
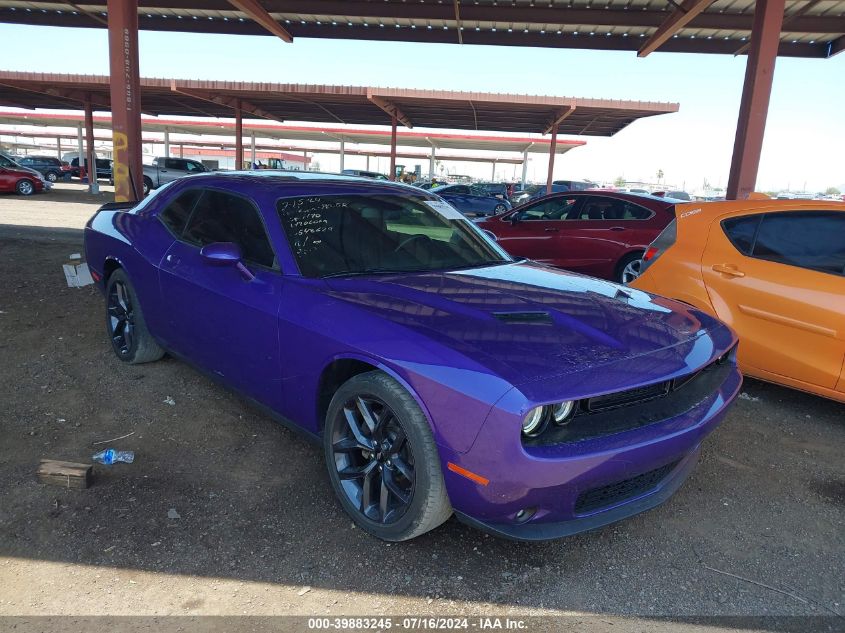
64	474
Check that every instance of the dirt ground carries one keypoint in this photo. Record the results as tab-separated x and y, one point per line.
758	530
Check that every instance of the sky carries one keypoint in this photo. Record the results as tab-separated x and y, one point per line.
805	134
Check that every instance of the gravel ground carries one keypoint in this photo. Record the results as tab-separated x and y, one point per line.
758	530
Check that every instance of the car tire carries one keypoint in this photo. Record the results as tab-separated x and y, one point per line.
628	268
25	187
499	208
398	456
51	176
148	185
125	324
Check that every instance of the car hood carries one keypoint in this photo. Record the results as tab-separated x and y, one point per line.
524	321
27	170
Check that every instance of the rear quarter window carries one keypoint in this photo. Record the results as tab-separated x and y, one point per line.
175	215
741	232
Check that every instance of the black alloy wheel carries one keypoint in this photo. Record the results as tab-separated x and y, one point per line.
121	318
373	459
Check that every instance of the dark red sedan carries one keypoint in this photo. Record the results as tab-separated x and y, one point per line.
603	234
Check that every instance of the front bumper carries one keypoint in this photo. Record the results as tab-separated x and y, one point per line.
618	475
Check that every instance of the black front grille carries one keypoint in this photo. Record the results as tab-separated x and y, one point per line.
623	398
607	496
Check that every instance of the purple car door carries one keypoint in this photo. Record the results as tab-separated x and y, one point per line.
221	316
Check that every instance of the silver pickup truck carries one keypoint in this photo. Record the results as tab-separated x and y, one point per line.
163	170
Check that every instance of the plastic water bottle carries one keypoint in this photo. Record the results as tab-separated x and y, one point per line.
111	456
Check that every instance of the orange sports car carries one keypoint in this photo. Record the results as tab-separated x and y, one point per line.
772	269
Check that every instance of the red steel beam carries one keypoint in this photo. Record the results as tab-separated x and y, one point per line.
125	100
258	14
678	19
225	100
556	121
239	137
788	21
552	149
90	152
756	92
393	149
391	108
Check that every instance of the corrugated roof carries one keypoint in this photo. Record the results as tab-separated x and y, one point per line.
339	104
812	28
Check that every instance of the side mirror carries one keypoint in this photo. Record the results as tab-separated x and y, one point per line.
491	235
221	254
514	219
225	254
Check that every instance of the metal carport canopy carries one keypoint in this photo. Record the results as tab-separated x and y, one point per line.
339	104
812	28
439	140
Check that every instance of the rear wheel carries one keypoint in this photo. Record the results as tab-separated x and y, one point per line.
629	268
382	461
499	208
25	187
130	338
51	176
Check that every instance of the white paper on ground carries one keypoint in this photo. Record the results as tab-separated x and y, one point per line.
77	275
445	209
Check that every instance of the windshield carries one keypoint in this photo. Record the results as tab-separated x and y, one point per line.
341	235
5	161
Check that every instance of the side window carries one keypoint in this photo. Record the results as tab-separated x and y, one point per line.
224	217
554	209
812	239
458	189
632	211
193	167
174	163
175	215
26	162
741	232
596	208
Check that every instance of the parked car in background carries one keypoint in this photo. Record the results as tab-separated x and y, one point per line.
17	179
774	271
471	199
104	169
440	375
50	167
532	192
163	170
603	234
496	189
674	195
364	174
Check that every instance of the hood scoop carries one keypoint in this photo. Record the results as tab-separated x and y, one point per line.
525	317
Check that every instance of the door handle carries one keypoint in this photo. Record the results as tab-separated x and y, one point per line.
551	230
617	228
726	269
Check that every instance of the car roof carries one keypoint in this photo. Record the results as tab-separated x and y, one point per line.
281	176
709	211
636	198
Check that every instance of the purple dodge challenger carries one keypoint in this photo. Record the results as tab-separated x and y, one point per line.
441	375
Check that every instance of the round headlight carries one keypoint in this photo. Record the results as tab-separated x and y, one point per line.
532	423
562	411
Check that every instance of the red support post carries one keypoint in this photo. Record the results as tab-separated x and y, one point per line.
125	100
90	152
393	148
239	136
552	152
754	108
